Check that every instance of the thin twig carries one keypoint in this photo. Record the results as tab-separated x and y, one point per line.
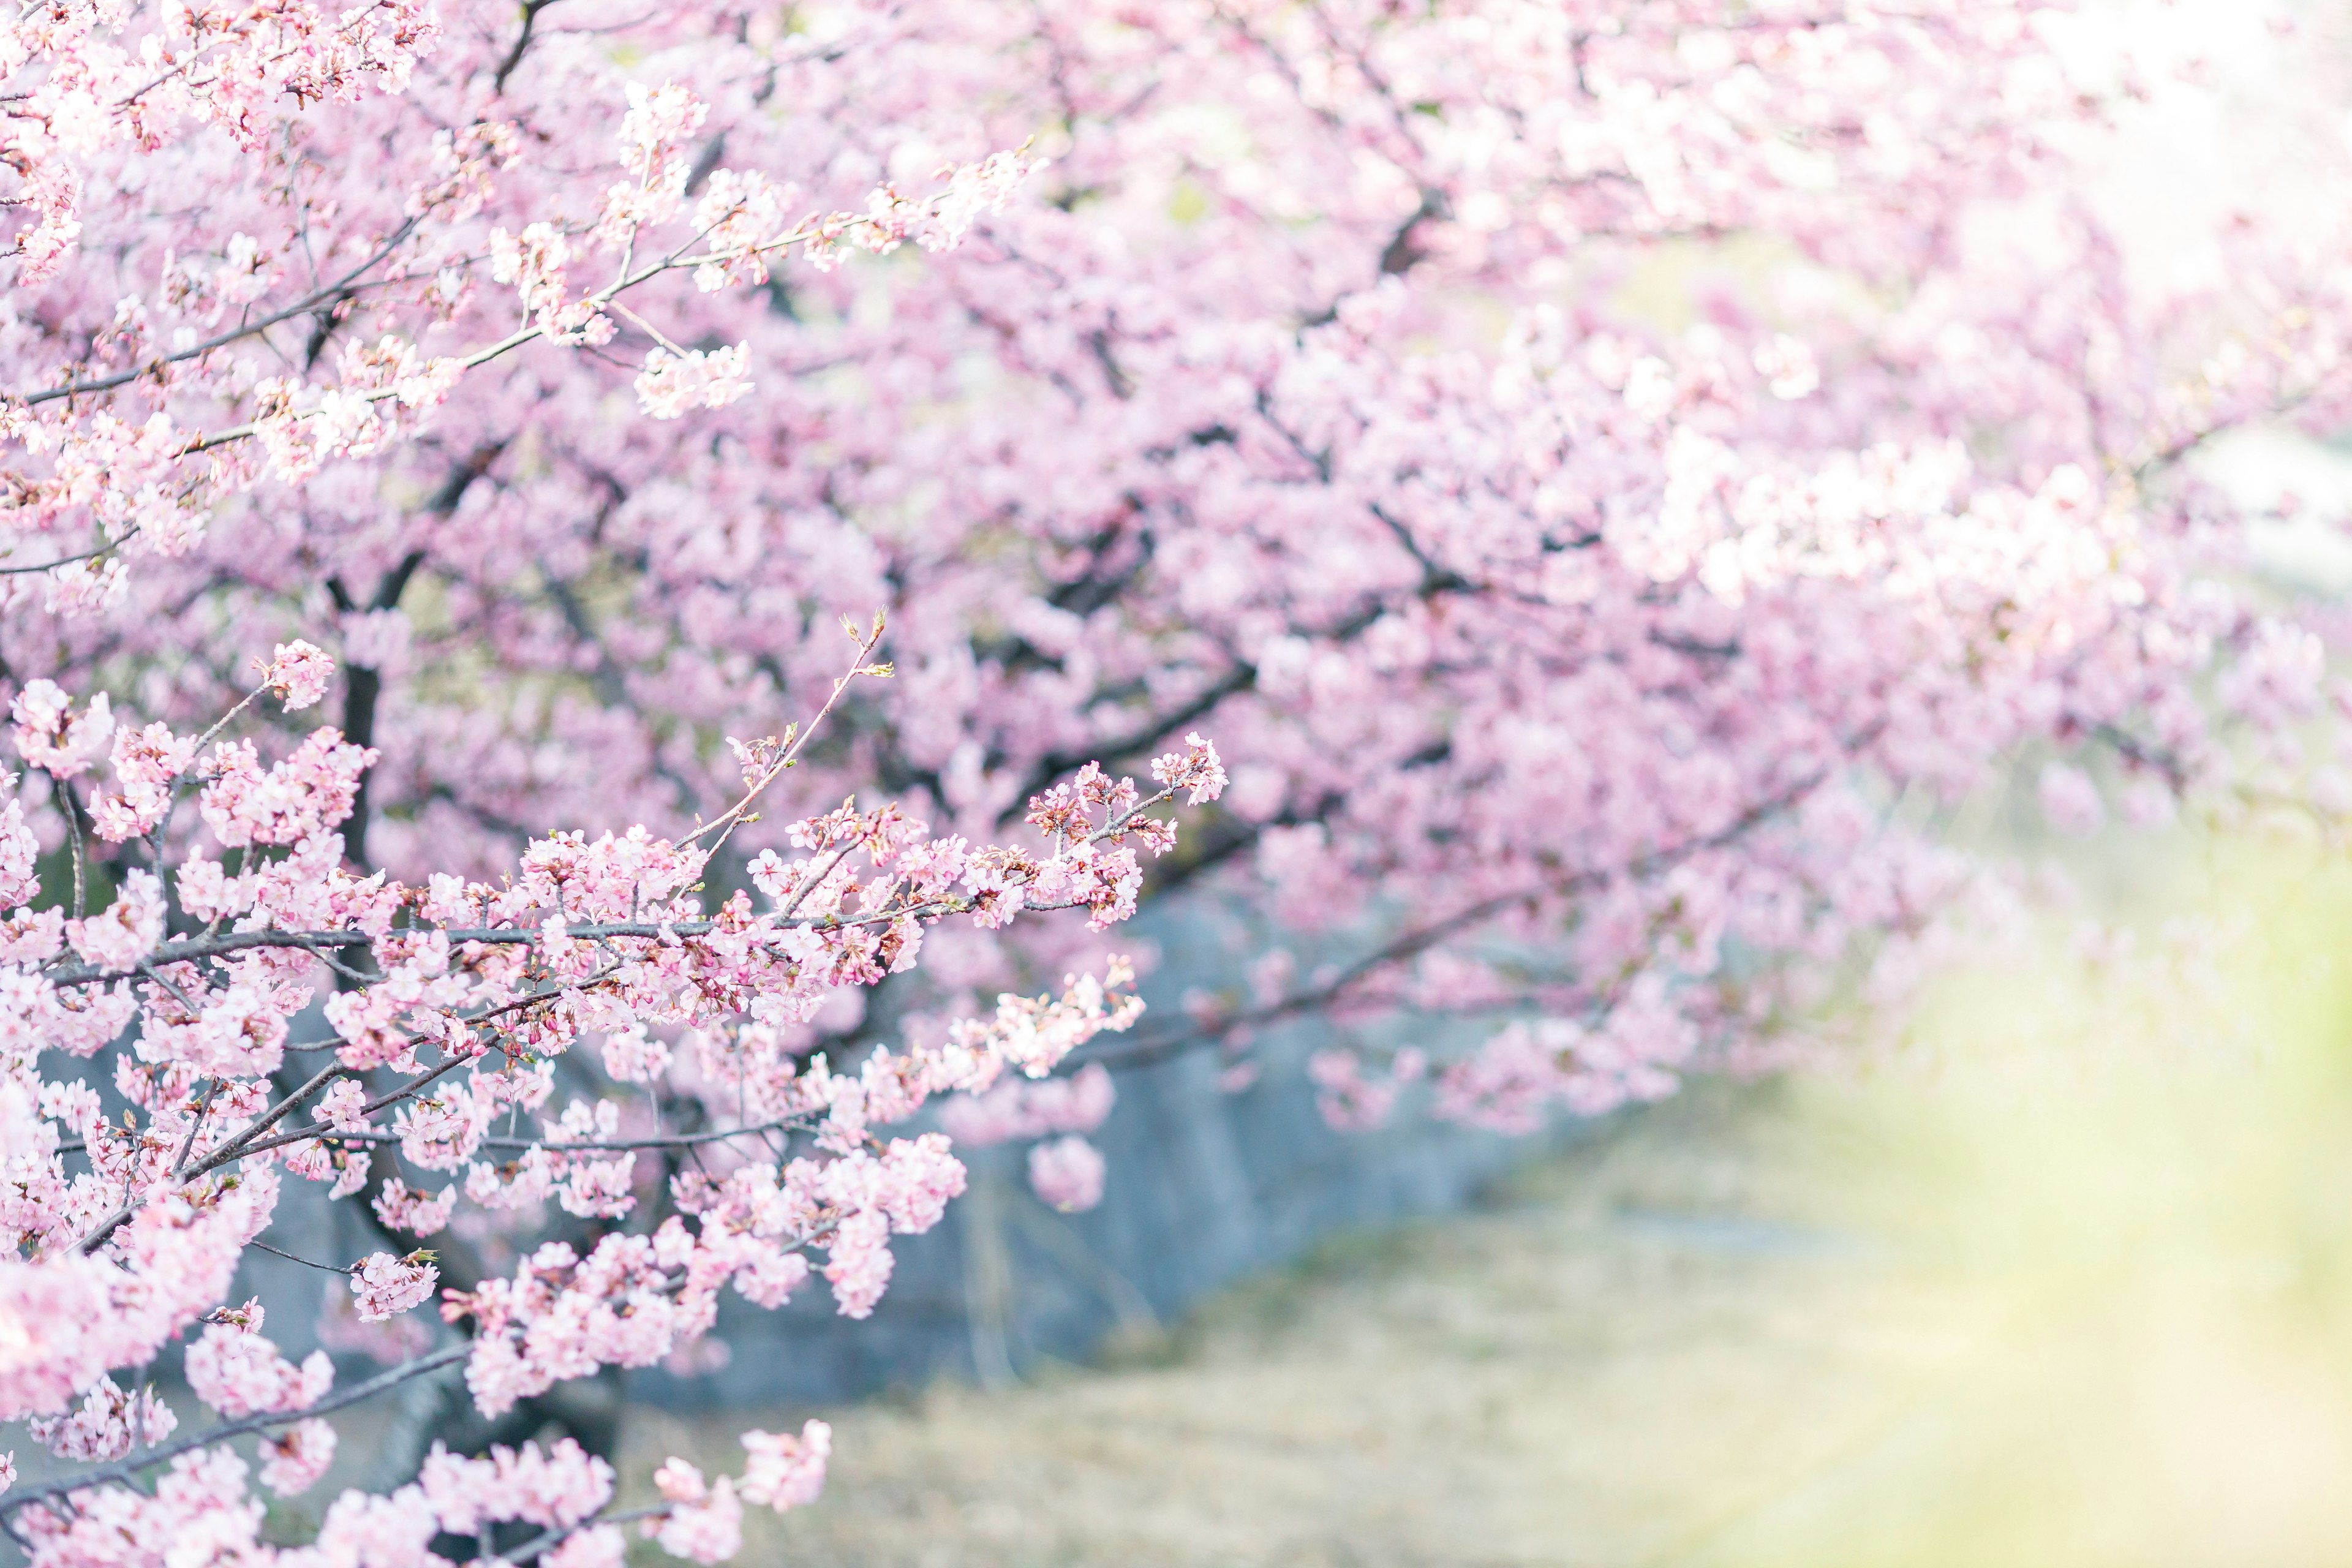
125	1470
275	1252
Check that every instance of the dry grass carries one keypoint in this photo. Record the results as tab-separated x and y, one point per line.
1617	1362
1996	1309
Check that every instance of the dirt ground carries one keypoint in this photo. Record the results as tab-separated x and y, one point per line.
1747	1326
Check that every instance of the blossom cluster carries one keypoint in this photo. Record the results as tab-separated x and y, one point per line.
457	999
85	77
126	490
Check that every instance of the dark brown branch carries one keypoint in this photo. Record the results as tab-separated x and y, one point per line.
302	307
363	685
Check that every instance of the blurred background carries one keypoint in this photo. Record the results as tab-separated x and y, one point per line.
2064	1277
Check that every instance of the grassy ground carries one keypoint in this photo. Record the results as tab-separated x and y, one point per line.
1632	1356
1819	1326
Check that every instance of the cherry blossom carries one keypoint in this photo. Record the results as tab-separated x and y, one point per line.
293	1461
704	1522
2070	799
1605	474
457	996
50	736
1020	1109
1273	375
297	673
786	1471
238	1372
554	1488
1066	1173
386	1286
411	1212
107	1425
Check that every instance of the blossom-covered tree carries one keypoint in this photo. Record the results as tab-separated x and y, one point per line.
1294	372
458	1006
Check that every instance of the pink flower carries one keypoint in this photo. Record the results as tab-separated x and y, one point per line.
310	790
631	1056
299	673
344	1108
1540	626
673	383
1351	1101
1017	1108
239	1374
554	1488
1197	768
2070	800
386	1286
1787	365
20	855
1066	1173
363	1532
599	1546
708	1530
147	764
659	122
534	262
207	891
916	1179
704	1521
770	1279
50	736
294	1460
413	1212
128	930
388	1342
108	1424
784	1472
1509	1083
859	1266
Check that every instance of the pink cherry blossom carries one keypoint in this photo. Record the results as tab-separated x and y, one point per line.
672	384
386	1286
631	1056
310	789
238	1372
129	929
1019	1109
292	1462
1066	1173
602	1546
107	1425
705	1523
2070	800
19	855
50	736
1349	1098
297	673
554	1487
786	1471
415	1213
